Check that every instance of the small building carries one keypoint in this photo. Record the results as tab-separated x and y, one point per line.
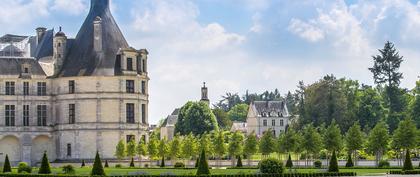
239	126
267	115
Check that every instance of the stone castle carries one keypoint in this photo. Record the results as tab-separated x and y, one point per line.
71	97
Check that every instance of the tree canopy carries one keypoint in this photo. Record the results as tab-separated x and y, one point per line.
196	118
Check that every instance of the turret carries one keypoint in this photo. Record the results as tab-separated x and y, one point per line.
59	49
204	94
40	31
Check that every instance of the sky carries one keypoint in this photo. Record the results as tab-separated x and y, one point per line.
239	45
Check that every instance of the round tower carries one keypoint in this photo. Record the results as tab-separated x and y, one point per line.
59	49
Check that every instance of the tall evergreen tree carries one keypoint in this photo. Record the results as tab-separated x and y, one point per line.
98	169
7	168
349	162
333	167
407	162
45	165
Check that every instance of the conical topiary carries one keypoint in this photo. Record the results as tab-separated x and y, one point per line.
162	163
333	163
83	163
97	169
239	163
7	168
106	164
203	166
407	162
349	162
131	163
289	163
45	165
196	162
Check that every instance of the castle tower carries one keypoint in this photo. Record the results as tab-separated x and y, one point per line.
59	50
204	94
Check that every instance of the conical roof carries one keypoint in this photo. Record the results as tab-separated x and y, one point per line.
82	59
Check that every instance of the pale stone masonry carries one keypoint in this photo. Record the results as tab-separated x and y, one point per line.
267	116
71	97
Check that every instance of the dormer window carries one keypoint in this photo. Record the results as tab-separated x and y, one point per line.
130	64
26	70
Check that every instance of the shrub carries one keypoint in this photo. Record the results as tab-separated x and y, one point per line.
407	162
118	166
203	166
132	162
179	165
69	169
97	169
83	163
196	162
383	164
349	162
270	165
24	167
333	167
289	163
106	164
146	165
45	165
239	163
317	164
6	167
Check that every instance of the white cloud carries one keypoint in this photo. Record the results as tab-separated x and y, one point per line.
257	26
73	7
17	12
306	30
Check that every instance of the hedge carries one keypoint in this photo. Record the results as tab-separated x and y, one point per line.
221	175
407	172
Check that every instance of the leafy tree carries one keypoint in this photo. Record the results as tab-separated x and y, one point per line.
349	162
405	136
378	140
163	149
415	106
370	107
7	167
312	140
219	145
333	167
196	118
97	169
120	151
45	165
175	147
333	138
407	162
152	147
238	113
291	140
251	146
206	144
222	119
267	143
131	148
354	139
289	163
235	145
189	147
141	149
203	166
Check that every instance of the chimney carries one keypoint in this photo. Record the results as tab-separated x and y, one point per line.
40	31
97	34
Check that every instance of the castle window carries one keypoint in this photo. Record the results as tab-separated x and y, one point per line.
143	113
25	115
26	70
143	87
129	64
71	87
69	150
129	85
264	122
42	115
130	138
10	88
42	88
130	112
143	64
72	113
273	122
59	55
59	44
10	115
281	122
25	88
274	132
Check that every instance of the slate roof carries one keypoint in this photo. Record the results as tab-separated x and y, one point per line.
12	51
45	46
13	66
270	108
8	38
81	59
171	119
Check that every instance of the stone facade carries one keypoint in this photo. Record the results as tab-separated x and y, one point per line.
267	116
71	116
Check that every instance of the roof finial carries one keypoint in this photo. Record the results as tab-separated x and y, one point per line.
204	84
60	29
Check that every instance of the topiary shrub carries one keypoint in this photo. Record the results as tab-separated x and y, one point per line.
83	163
318	164
289	163
45	165
106	164
118	166
6	167
132	162
349	162
196	162
333	167
68	169
270	165
239	163
97	169
383	164
23	167
179	165
162	163
407	162
203	166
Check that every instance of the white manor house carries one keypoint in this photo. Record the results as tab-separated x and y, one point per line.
71	97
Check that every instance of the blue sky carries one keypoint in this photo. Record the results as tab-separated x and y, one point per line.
235	45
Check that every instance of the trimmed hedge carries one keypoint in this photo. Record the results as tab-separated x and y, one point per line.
222	175
407	172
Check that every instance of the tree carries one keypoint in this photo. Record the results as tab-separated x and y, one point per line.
196	118
378	140
349	162
370	107
289	163
290	140
222	119
333	138
132	162
141	149
405	136
45	165
407	162
163	149
219	145
354	140
175	147
311	140
239	162
98	169
152	147
235	145
106	164
333	167
267	144
120	151
415	106
189	147
7	167
83	163
386	66
251	146
206	144
238	113
131	148
203	166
